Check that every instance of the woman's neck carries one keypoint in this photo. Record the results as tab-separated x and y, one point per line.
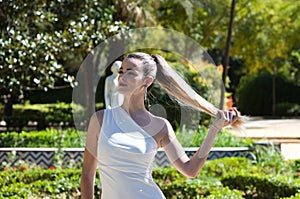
134	104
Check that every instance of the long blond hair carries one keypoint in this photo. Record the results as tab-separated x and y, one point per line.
157	67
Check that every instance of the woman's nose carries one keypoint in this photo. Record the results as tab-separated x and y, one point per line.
120	77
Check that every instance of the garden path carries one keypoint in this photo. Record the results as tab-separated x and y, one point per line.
285	132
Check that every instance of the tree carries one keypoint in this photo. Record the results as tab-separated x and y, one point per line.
44	42
264	36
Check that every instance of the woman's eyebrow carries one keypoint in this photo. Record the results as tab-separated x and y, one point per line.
127	68
130	68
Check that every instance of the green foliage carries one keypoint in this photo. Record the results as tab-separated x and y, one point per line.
204	22
45	138
220	167
56	183
254	95
233	178
41	41
59	114
264	33
74	138
296	196
194	138
258	186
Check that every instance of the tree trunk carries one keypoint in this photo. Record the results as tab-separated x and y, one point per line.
226	56
274	94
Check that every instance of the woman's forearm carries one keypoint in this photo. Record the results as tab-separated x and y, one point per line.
196	162
208	142
87	186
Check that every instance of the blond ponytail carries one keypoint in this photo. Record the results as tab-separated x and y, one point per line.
177	87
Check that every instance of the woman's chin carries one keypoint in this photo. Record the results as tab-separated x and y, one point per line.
122	91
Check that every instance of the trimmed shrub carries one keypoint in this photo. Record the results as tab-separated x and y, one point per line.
259	185
233	178
41	183
45	138
73	138
254	95
41	116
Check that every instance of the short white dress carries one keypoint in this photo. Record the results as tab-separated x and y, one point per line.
125	156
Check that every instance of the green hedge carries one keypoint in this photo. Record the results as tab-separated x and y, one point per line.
254	95
41	183
41	116
45	138
261	186
194	138
233	178
73	138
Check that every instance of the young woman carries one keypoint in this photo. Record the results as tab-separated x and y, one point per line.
122	142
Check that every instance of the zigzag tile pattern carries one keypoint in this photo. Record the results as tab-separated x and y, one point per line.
161	159
45	158
73	155
3	157
41	158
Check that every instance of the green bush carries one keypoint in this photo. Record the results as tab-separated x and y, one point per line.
288	109
41	116
233	178
296	196
45	138
41	183
254	95
73	138
194	138
224	193
260	186
220	167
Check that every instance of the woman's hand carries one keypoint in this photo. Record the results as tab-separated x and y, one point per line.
225	118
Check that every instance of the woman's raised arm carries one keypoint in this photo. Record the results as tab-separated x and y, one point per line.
190	167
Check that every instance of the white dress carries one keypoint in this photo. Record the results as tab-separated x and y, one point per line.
125	156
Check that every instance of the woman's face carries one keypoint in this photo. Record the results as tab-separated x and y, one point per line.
131	77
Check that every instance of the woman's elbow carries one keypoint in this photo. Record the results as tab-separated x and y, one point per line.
192	171
191	174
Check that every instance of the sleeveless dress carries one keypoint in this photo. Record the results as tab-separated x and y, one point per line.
125	156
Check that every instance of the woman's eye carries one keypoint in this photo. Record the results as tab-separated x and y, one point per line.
120	72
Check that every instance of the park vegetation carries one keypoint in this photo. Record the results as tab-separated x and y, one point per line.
43	44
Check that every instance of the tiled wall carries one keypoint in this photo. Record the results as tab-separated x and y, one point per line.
44	156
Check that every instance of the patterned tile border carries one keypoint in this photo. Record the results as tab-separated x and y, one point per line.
44	156
161	159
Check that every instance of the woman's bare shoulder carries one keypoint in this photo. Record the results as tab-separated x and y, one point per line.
163	122
99	115
96	121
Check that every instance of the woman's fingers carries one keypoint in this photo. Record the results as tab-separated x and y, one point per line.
234	115
229	116
222	115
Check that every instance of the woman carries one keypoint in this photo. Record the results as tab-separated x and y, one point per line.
123	141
